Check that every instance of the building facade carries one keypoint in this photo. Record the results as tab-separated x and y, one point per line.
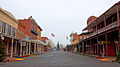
20	36
8	31
104	39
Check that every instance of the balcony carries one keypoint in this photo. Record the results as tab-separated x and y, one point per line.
106	28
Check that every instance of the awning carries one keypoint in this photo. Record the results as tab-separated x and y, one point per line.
37	41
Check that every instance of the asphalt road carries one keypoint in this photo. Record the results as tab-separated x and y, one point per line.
60	59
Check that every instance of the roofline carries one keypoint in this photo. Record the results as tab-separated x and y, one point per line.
35	22
104	13
40	28
8	15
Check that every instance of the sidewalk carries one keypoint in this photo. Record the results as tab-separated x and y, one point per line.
105	58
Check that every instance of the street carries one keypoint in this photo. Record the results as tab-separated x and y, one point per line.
60	59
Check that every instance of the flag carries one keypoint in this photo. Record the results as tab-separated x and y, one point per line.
53	35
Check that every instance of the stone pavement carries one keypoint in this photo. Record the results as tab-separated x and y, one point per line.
60	59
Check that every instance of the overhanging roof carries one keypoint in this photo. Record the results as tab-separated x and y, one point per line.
37	41
107	14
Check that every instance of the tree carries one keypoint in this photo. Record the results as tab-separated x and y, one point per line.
58	46
2	50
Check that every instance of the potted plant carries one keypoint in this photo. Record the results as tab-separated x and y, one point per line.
2	50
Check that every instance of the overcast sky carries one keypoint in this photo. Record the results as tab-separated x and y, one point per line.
60	17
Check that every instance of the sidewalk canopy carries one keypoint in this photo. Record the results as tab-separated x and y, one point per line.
37	41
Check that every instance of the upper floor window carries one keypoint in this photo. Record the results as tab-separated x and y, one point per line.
23	34
4	28
13	31
17	32
9	29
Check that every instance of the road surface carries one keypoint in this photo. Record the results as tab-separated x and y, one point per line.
60	59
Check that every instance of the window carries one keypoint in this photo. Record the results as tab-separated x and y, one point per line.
13	31
18	33
9	29
4	28
23	34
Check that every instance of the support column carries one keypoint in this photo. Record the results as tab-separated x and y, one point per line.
83	47
26	48
35	48
90	46
21	48
106	44
118	16
29	48
15	51
118	19
11	54
106	37
86	46
7	47
97	46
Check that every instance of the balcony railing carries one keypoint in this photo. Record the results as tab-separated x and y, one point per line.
108	27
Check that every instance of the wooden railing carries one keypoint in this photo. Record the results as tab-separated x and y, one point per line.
108	27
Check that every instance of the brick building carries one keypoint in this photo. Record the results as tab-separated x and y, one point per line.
104	39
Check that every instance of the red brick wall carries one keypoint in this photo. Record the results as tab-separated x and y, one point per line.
34	27
90	20
25	26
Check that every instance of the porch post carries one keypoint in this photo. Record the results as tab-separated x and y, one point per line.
118	19
97	46
86	46
41	49
29	48
35	48
106	37
11	54
90	46
106	44
7	47
21	48
15	48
